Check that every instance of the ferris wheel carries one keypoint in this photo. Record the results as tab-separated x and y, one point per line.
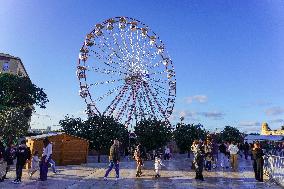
124	71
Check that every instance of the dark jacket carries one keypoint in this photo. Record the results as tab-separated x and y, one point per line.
257	154
9	155
246	147
2	149
222	149
114	154
22	155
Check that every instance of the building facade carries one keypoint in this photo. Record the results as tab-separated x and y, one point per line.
265	130
11	64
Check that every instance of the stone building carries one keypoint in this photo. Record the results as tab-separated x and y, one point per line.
265	130
11	64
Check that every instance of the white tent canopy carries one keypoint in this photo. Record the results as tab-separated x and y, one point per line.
251	138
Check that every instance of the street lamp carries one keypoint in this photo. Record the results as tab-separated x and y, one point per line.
181	119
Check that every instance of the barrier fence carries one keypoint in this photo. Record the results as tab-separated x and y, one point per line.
274	168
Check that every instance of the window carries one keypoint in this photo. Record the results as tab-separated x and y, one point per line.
5	66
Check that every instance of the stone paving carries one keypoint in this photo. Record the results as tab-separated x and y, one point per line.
176	175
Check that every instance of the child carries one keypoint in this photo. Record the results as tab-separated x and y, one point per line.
158	163
35	164
208	159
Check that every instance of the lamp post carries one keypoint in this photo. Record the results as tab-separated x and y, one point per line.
181	119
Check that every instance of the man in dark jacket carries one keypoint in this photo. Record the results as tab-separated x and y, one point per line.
22	155
246	150
114	158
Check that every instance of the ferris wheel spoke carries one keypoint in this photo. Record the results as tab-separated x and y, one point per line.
128	57
108	93
149	100
116	100
106	71
108	58
106	82
122	64
106	63
156	101
133	107
124	107
119	47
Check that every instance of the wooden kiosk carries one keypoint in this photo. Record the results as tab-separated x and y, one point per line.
67	149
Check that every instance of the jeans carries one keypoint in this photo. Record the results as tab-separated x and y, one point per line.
208	165
110	166
224	160
19	171
43	168
52	163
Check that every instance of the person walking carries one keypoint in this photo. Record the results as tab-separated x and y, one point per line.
167	153
258	162
246	150
45	159
22	155
114	158
223	156
157	165
3	163
139	160
233	149
194	147
3	166
34	164
199	163
9	157
208	154
215	148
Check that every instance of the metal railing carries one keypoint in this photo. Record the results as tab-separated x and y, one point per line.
274	168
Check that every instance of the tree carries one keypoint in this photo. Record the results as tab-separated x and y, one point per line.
18	95
100	131
104	130
18	91
153	133
232	134
185	134
71	125
13	123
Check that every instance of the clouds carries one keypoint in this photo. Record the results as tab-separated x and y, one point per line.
213	114
274	111
281	121
186	113
196	98
249	124
196	116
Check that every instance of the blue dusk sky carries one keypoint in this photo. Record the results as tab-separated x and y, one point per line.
228	55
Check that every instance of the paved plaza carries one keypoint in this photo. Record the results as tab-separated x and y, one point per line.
176	174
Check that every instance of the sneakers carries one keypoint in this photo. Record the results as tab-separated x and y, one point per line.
117	178
16	181
30	175
105	178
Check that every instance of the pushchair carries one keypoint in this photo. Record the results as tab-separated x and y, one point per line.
3	166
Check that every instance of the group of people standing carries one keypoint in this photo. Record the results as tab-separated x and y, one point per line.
228	152
22	154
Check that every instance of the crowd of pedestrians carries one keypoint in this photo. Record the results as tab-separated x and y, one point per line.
208	155
21	154
227	158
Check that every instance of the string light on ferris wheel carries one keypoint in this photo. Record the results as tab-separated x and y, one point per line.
124	71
